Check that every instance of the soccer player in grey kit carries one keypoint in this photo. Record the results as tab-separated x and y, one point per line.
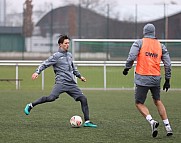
64	70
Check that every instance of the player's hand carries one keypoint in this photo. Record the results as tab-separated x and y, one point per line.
34	76
125	71
166	85
83	79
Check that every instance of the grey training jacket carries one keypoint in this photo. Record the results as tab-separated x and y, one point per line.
63	67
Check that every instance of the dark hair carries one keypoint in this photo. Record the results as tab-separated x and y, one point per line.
62	38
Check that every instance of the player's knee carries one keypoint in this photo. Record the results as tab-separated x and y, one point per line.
157	102
138	103
82	99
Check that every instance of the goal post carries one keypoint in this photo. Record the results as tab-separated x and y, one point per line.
114	49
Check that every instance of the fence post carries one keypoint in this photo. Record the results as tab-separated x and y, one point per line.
73	49
43	80
17	83
104	75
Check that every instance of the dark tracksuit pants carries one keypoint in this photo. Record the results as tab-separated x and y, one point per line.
71	89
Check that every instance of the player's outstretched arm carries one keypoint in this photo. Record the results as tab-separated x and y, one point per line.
34	76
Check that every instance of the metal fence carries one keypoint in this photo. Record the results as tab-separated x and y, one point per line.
107	77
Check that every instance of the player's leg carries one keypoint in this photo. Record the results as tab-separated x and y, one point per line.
140	97
77	94
161	109
84	107
57	90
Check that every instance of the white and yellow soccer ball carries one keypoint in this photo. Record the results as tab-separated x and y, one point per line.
76	121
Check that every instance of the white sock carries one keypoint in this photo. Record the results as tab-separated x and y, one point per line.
31	105
166	122
149	119
87	121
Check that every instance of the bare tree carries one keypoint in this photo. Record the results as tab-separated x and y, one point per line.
46	6
103	7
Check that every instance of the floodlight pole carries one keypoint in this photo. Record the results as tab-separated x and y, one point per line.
107	21
79	19
51	29
166	23
136	22
107	34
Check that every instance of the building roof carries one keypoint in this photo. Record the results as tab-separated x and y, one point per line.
10	30
80	22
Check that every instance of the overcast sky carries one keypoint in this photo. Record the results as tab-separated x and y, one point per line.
146	9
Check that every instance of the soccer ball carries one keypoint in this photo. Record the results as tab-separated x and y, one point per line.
76	121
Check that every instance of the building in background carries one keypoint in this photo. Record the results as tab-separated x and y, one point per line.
79	22
41	35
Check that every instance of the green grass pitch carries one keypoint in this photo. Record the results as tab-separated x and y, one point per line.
113	111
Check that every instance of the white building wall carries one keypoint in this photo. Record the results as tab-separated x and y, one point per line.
41	44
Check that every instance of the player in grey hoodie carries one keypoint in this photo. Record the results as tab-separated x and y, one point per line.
149	52
64	70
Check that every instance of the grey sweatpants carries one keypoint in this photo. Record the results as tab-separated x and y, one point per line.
73	90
